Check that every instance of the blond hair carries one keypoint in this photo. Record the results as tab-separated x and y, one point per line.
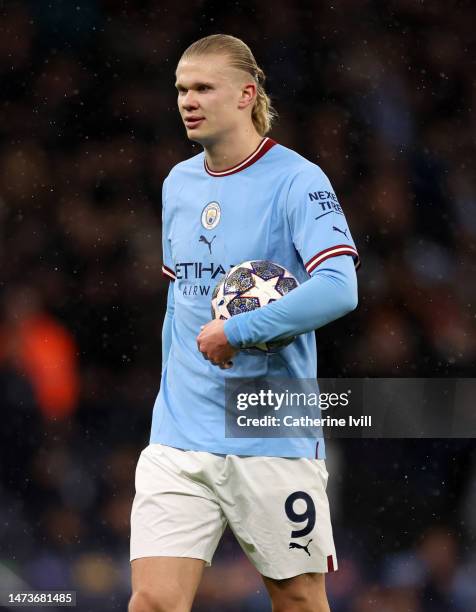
241	57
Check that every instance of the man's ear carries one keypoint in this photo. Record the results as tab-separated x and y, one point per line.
248	95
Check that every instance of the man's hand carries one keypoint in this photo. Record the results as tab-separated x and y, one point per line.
214	346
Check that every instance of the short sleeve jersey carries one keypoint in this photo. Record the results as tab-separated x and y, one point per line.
275	205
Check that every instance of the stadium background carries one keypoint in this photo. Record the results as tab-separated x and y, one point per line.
382	96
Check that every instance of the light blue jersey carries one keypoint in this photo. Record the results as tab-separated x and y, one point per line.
275	205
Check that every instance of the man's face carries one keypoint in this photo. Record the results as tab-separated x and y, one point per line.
210	93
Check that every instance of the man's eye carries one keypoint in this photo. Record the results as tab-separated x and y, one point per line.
203	88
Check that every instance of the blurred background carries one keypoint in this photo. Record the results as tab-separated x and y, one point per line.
382	96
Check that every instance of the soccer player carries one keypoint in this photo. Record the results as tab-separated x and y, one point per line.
243	197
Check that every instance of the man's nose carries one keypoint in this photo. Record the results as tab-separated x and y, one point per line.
189	101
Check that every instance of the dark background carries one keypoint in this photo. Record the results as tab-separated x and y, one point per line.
381	95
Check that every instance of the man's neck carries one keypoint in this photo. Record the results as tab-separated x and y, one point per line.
231	150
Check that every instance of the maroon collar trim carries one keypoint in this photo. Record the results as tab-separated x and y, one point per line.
263	147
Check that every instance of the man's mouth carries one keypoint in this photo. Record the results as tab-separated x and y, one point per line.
193	122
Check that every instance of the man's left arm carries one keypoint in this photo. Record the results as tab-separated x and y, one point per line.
328	295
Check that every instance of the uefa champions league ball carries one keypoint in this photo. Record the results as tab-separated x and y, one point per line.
251	285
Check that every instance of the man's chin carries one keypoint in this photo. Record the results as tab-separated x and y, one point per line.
196	136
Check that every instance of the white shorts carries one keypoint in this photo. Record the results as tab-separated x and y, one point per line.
276	507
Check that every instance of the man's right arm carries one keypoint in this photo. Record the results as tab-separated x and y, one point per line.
167	326
168	272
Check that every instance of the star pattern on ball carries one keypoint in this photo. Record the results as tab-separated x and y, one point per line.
266	289
249	286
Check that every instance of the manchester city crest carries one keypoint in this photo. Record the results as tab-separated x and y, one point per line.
211	215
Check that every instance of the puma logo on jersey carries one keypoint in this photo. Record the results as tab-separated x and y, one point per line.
209	244
336	229
296	545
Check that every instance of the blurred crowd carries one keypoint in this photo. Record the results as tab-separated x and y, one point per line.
380	95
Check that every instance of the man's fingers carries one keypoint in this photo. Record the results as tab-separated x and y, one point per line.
224	365
204	355
227	365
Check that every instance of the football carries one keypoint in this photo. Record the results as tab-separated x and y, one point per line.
251	285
